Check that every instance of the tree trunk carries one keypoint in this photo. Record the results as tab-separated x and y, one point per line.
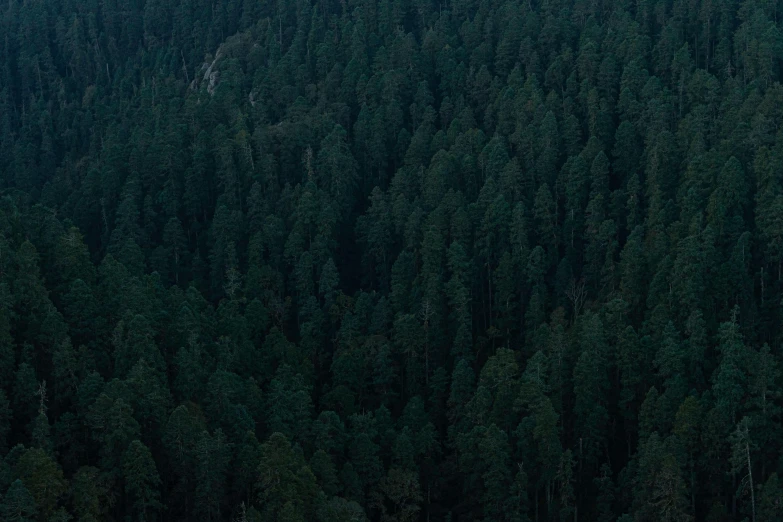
693	488
750	480
536	516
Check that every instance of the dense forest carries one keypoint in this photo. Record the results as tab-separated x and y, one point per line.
391	260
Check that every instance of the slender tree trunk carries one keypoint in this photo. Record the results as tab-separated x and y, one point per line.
693	488
536	516
734	497
427	362
489	286
550	492
750	478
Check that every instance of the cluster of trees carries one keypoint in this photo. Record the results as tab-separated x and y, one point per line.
327	261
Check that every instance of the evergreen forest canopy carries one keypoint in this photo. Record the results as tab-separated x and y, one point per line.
391	260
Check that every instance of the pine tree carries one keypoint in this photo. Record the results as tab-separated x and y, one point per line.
141	481
286	486
213	455
18	505
91	493
43	478
590	384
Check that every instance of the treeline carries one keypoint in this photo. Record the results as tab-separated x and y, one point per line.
390	260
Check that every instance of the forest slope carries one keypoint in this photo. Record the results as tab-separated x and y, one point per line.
391	260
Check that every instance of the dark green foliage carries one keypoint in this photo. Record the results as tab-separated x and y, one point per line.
390	260
141	481
18	505
286	485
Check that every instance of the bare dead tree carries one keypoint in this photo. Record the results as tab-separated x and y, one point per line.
425	316
576	294
308	163
41	393
233	281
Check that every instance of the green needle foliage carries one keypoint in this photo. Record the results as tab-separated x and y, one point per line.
390	260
